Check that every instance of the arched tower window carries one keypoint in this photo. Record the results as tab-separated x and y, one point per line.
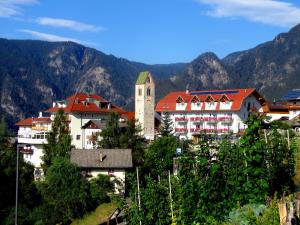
148	80
148	91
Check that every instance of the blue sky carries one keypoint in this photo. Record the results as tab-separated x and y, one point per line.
151	31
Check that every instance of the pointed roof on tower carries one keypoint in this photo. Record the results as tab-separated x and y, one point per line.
142	78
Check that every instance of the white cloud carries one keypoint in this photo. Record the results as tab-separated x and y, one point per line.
49	37
70	24
9	8
273	12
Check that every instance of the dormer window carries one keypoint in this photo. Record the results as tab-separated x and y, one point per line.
195	100
224	98
209	99
179	100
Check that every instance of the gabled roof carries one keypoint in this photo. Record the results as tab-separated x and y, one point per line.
111	158
237	96
30	121
142	78
82	102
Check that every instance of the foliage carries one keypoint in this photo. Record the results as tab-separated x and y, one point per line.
155	204
28	196
132	139
218	178
113	136
58	140
166	126
100	187
159	156
112	133
65	193
255	214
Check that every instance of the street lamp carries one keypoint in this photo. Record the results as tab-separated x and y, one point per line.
17	186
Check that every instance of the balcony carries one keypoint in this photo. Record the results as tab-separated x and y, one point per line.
32	138
181	130
181	119
211	119
225	119
196	130
197	119
39	128
223	130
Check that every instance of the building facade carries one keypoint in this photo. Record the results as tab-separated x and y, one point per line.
145	104
111	162
86	115
213	112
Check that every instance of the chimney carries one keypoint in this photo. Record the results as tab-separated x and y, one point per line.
53	104
187	89
40	114
101	157
109	105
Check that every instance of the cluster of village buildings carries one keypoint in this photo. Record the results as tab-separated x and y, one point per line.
192	112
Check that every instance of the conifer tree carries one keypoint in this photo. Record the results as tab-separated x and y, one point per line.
110	136
58	140
166	127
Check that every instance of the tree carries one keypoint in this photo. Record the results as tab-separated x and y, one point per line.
159	156
58	140
166	126
155	204
28	196
100	187
113	136
65	193
132	139
112	133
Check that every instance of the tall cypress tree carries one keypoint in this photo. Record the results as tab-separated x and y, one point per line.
166	127
58	140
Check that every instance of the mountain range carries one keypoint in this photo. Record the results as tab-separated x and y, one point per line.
35	73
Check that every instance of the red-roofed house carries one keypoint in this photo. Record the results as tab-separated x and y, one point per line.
84	112
217	111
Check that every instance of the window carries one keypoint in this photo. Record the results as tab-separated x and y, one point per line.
148	91
140	91
78	137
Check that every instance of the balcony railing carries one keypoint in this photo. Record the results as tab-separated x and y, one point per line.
196	119
181	119
39	128
225	118
209	130
196	130
181	130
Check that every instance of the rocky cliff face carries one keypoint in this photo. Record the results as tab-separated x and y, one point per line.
272	67
34	73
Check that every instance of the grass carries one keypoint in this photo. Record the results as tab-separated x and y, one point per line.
99	215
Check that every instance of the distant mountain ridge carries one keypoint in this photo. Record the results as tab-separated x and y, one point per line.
35	73
272	68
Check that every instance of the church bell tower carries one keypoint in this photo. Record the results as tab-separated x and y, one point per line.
145	103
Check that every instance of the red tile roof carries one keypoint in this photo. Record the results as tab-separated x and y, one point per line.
237	96
79	103
129	115
30	121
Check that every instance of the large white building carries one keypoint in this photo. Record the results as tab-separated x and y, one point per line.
212	112
86	115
